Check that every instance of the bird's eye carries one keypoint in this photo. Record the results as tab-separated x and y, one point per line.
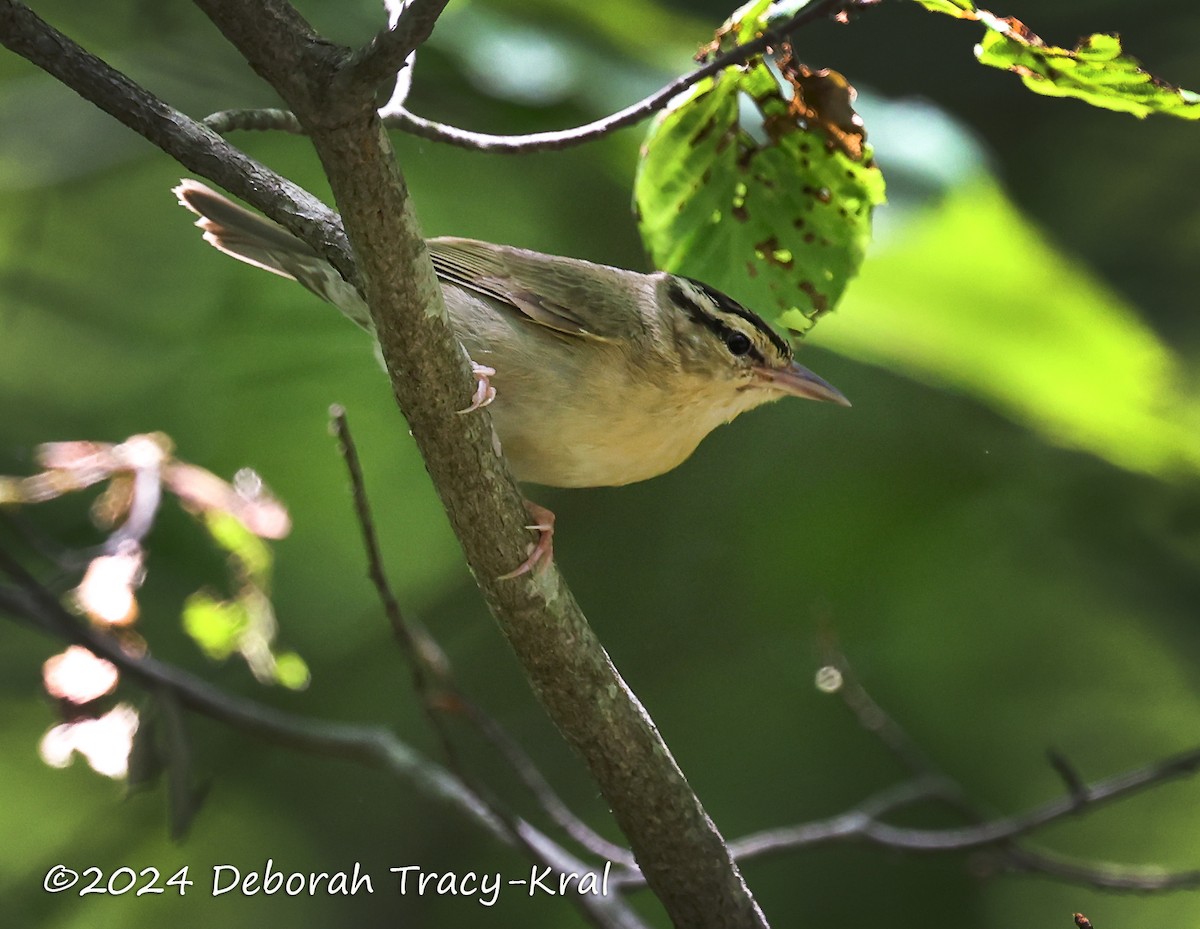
737	343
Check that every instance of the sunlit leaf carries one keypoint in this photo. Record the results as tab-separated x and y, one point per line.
761	185
217	626
253	555
972	297
959	8
1096	71
291	671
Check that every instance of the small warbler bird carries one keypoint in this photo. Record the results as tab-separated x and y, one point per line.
599	376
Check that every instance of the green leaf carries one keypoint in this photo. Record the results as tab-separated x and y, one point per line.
291	671
972	297
1096	71
765	194
217	626
961	9
253	555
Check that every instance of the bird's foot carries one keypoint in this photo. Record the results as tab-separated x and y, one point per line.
485	393
542	555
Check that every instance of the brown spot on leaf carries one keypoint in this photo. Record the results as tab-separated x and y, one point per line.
1023	33
739	212
751	269
819	301
770	251
704	131
825	99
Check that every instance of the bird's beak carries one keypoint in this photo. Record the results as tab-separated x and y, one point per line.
797	381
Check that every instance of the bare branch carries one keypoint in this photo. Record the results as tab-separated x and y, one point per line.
368	745
429	663
402	119
1126	878
1070	776
373	746
191	144
876	720
378	61
421	663
865	822
843	826
550	802
996	831
224	121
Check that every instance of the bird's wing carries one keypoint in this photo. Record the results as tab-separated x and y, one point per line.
544	289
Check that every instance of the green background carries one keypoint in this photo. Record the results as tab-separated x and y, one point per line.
1003	534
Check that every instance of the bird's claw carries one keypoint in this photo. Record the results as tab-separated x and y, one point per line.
542	555
485	393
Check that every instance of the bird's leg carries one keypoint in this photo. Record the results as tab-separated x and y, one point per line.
543	519
543	550
485	393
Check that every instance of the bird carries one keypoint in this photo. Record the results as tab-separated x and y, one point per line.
595	375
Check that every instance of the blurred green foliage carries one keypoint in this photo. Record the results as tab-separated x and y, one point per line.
1003	534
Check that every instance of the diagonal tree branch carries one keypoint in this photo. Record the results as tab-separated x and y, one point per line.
192	144
433	679
677	846
371	746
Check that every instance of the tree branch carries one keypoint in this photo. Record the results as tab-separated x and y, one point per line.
929	783
379	60
434	681
372	746
192	144
406	121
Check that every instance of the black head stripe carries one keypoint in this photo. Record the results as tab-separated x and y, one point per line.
727	305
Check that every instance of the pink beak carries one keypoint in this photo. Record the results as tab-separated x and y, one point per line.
797	381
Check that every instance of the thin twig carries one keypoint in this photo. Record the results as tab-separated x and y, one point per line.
1070	776
864	822
995	831
1126	878
372	746
406	121
876	720
548	799
423	673
428	663
192	144
380	59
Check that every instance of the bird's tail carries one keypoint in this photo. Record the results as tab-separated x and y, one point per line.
257	241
